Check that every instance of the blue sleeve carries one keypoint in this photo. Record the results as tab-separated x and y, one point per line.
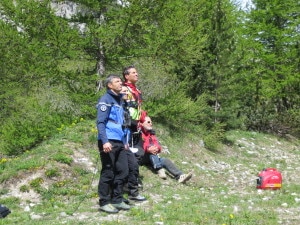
103	110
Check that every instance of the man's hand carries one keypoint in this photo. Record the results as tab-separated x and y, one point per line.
153	150
107	147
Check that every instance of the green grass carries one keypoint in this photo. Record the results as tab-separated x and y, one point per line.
56	182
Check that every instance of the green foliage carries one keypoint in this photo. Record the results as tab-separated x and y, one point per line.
36	183
33	122
38	94
52	172
214	137
286	123
24	188
62	158
270	65
200	62
176	109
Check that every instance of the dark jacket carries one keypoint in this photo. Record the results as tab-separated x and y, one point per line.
110	117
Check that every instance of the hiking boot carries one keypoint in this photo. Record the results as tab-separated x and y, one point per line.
121	206
126	201
139	198
109	208
185	177
162	173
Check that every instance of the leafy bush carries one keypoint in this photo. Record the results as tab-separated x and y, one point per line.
291	121
281	123
35	118
214	137
21	133
176	110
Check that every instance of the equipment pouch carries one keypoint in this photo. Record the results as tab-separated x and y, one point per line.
4	211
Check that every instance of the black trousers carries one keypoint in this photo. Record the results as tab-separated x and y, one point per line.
114	173
133	175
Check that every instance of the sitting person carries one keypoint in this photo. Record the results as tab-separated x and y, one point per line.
152	149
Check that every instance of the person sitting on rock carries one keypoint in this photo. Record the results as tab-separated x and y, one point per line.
152	149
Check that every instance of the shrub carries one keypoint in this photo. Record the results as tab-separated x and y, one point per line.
52	173
34	119
36	183
176	110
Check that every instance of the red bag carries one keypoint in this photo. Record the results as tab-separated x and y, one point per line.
269	178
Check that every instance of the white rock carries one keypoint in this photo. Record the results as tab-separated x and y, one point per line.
35	217
259	191
27	208
63	214
235	209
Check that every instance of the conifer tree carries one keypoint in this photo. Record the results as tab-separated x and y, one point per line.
271	64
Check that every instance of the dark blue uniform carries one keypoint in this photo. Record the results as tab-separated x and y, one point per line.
110	119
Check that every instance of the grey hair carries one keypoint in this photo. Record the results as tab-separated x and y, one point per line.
109	79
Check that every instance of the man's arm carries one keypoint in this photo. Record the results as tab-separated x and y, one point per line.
103	110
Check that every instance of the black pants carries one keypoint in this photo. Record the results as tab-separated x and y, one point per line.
114	173
133	175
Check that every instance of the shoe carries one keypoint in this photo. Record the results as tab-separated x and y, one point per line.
126	201
121	206
185	177
139	198
162	174
109	208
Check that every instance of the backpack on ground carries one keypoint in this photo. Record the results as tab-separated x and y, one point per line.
4	211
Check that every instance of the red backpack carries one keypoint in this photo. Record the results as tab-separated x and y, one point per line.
269	178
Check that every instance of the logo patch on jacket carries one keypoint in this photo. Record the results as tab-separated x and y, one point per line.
103	108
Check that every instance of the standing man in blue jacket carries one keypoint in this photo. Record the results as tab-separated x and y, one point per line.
111	139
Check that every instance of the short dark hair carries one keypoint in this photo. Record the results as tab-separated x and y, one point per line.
126	70
109	79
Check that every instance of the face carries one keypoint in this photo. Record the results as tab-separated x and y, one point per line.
147	125
124	92
116	85
132	76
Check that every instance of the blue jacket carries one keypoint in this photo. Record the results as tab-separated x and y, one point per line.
110	117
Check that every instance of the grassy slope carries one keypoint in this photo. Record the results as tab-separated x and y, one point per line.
56	183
